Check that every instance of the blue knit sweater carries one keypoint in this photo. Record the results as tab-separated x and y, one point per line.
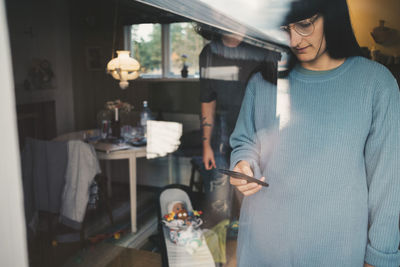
328	144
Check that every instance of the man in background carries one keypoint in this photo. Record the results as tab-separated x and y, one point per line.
226	64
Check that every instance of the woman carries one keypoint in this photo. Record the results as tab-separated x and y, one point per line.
328	144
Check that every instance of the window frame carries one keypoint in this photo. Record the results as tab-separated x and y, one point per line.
165	54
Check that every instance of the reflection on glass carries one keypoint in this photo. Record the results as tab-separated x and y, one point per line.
265	16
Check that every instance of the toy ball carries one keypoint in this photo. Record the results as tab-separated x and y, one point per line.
117	236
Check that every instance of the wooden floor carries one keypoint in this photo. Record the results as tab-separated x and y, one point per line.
136	258
139	258
43	253
110	255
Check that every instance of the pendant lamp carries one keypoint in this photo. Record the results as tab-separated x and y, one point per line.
123	67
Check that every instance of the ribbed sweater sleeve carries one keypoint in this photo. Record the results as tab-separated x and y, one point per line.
244	139
382	164
331	155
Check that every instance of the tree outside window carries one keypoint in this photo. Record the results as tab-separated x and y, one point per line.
146	47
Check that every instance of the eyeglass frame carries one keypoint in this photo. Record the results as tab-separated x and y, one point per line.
287	28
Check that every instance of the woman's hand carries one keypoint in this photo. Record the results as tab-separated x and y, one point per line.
243	186
367	265
208	157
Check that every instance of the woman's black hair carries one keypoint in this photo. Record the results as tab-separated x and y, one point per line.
339	35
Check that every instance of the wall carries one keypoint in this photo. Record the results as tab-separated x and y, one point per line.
61	31
365	15
40	29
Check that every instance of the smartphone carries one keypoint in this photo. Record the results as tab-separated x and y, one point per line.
239	175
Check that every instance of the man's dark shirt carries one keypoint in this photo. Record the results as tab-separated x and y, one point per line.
224	72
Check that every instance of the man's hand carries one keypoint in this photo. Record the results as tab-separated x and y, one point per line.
367	265
243	186
208	158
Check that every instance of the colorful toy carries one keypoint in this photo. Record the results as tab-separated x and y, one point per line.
100	237
184	226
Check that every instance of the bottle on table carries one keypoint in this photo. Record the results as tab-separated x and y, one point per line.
115	125
145	115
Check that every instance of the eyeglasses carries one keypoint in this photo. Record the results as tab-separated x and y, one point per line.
304	27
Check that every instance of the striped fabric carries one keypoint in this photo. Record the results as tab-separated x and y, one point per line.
179	257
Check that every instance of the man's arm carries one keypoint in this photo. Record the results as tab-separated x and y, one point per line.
207	125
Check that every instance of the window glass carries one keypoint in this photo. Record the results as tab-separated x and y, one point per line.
146	48
186	46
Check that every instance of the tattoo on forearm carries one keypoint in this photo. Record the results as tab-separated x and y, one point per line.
204	138
205	124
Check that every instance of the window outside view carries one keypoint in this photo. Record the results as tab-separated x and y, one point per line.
146	48
186	46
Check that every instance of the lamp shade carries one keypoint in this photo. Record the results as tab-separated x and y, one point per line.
123	68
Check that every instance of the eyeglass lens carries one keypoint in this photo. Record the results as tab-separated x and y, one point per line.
304	27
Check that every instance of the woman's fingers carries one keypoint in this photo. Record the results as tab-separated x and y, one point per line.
242	185
246	188
236	182
243	168
252	191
